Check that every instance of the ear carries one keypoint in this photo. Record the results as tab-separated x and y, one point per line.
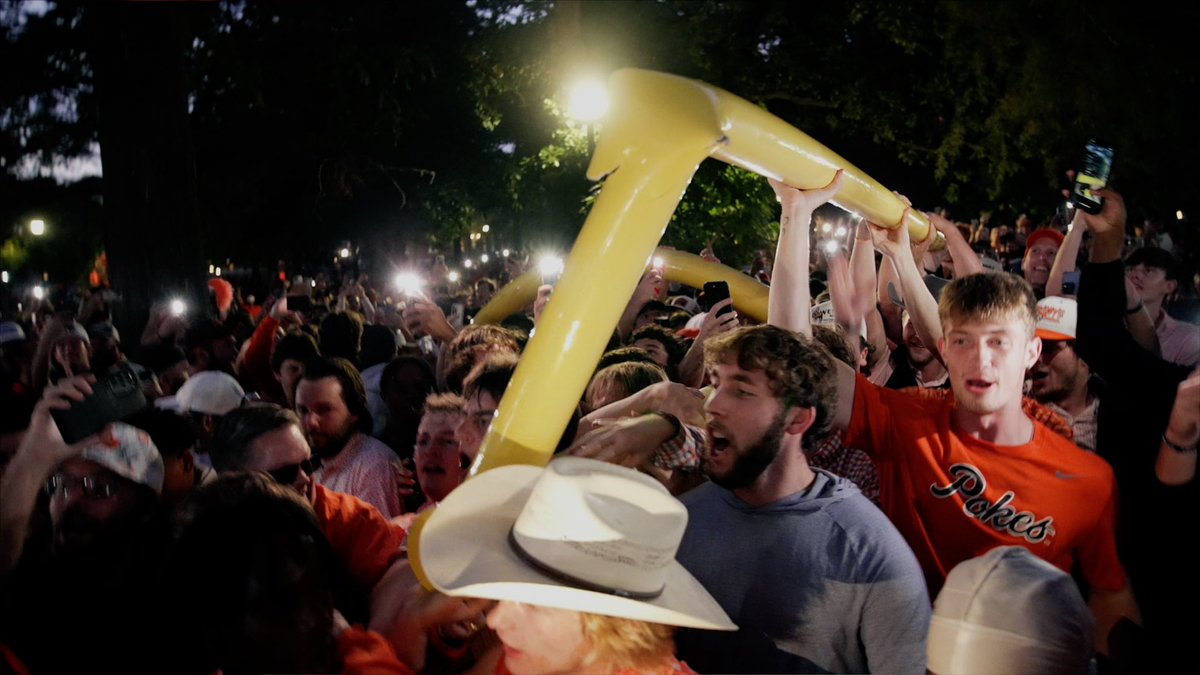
941	345
1032	351
800	420
1171	286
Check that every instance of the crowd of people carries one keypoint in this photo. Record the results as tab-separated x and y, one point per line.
905	469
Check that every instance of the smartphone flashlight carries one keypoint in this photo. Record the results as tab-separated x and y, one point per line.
659	263
831	246
178	307
411	285
551	268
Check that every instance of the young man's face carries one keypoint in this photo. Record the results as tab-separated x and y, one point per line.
1151	282
1039	258
290	372
745	426
328	423
987	360
481	408
1057	372
278	449
437	457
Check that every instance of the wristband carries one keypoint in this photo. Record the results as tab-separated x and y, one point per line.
1177	448
1135	310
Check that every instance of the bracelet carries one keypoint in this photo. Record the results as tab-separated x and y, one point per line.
1135	310
1177	448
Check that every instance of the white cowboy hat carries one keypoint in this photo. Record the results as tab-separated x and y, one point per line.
580	535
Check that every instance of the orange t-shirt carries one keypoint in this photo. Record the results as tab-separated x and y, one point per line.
362	539
954	497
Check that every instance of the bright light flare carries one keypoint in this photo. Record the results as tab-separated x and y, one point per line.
345	253
217	271
411	284
178	307
550	266
4	277
840	231
831	247
453	277
467	263
486	228
826	227
505	253
39	293
1179	215
588	101
484	258
37	227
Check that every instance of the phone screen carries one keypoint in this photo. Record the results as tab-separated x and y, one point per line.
714	292
1093	175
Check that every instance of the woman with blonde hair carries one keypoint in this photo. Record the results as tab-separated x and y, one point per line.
580	556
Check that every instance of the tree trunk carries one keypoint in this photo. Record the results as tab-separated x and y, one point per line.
151	219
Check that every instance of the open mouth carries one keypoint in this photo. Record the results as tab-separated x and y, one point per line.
717	442
979	387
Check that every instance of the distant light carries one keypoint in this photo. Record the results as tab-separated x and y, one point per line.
39	293
217	271
178	307
312	283
550	265
4	277
826	227
453	276
588	101
37	227
345	253
840	231
1179	215
505	252
486	228
484	258
831	246
467	263
211	269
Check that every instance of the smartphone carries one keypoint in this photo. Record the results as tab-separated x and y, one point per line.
1070	283
714	292
299	303
114	396
1093	175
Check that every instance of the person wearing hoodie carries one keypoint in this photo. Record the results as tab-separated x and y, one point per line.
820	580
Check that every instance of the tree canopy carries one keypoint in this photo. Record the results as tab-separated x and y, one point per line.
412	124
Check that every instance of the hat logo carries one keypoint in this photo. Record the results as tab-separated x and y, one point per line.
1054	314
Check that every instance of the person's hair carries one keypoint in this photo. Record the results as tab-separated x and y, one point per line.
341	335
445	403
626	378
490	377
171	433
406	361
988	296
260	574
354	393
202	332
379	345
1156	257
834	339
464	352
627	643
239	428
665	337
625	355
485	281
799	370
160	357
296	346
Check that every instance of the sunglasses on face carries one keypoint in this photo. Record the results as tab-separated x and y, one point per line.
94	486
287	475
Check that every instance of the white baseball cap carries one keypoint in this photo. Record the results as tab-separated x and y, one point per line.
1056	318
209	392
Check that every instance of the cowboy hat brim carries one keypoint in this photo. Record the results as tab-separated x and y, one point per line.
465	552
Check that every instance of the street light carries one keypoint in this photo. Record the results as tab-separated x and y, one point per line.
484	258
587	102
486	228
452	276
37	227
345	253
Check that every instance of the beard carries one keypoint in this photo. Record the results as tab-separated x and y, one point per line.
328	446
755	459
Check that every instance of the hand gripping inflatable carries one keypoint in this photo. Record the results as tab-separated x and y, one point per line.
658	130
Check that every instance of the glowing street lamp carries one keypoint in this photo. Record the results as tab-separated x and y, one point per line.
37	227
486	228
588	101
453	277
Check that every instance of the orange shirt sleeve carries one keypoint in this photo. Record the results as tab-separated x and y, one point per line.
256	362
871	418
361	538
1097	555
366	653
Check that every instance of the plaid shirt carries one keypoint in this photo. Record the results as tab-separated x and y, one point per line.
682	451
849	463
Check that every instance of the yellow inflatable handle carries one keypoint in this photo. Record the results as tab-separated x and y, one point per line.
749	295
658	130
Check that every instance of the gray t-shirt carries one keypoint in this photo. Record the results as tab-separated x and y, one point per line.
820	581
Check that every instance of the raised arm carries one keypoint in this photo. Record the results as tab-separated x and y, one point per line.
921	305
789	303
966	261
1068	254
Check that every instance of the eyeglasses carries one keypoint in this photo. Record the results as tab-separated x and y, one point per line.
94	486
287	475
